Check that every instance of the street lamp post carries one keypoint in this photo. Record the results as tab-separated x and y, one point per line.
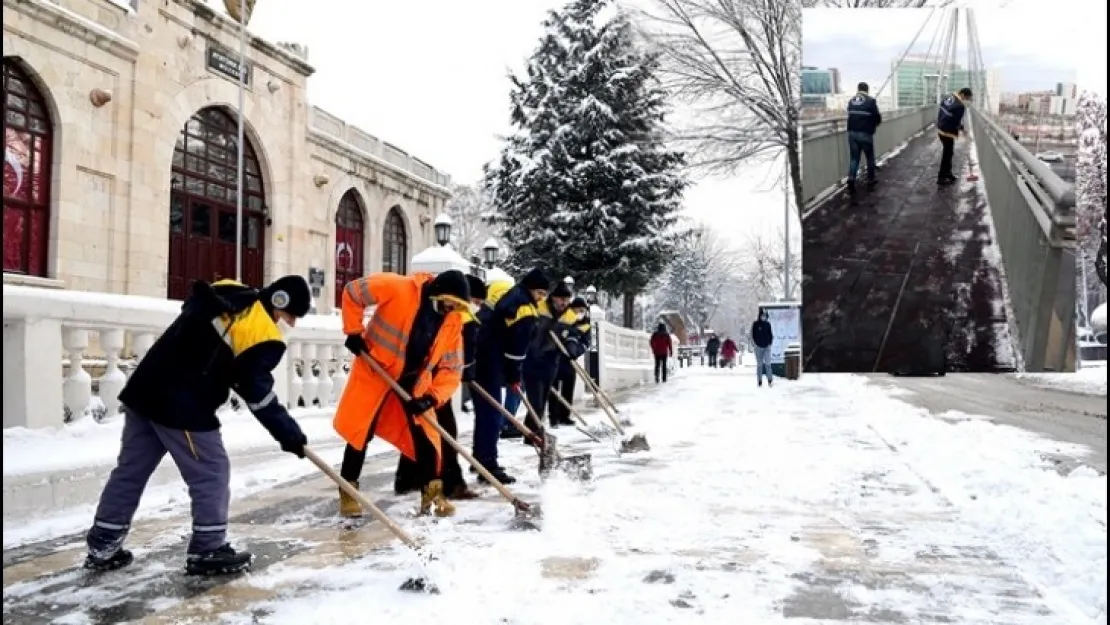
442	229
490	251
240	151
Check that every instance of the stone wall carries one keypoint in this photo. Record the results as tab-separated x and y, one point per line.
110	194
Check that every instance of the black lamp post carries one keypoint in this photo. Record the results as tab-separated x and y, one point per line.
490	252
443	229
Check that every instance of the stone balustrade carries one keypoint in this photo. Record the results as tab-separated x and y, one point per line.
67	354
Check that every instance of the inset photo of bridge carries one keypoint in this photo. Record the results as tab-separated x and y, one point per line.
938	168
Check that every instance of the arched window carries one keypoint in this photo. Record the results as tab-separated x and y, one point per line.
28	139
395	247
203	204
350	232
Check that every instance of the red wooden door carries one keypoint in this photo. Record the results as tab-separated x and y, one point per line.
28	138
349	236
203	207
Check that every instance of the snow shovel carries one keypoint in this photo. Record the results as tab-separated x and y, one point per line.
584	427
546	446
576	467
415	584
637	442
525	511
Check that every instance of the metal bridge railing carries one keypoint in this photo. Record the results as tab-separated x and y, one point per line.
825	147
1034	217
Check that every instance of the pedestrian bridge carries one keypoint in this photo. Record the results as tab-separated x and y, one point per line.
102	337
977	266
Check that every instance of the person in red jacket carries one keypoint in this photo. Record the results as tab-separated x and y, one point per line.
661	348
728	352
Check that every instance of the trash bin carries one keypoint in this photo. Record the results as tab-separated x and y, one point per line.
793	357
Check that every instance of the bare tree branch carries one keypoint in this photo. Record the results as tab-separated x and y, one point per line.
471	219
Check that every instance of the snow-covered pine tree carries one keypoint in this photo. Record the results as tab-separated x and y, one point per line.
1090	189
585	184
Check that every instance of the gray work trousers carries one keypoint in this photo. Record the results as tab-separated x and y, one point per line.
203	463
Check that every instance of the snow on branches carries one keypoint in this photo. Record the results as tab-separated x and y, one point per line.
1090	185
585	184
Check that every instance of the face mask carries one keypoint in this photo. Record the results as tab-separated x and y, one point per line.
284	327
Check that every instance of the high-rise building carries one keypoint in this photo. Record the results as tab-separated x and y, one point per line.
816	84
915	82
835	73
1067	89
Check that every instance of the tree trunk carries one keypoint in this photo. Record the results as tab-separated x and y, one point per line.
629	310
795	163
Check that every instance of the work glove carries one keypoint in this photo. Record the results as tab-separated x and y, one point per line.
287	433
419	405
356	345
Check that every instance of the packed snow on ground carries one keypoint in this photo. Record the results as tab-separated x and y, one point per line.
1090	380
713	515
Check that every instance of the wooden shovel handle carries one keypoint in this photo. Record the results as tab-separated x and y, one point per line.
589	382
365	502
505	412
509	496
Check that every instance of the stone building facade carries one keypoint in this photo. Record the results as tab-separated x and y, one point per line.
120	169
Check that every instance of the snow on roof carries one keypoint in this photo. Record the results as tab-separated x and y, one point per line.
497	274
440	254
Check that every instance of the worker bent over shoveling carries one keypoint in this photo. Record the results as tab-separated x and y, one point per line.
415	335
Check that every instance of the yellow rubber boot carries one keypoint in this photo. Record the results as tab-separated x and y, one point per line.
432	495
348	506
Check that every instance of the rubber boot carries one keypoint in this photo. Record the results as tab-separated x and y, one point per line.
432	496
462	492
348	507
220	561
117	560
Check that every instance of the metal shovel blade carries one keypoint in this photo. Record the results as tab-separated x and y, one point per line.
637	442
579	468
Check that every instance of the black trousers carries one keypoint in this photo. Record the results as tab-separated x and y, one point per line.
660	368
537	386
947	148
565	380
712	359
426	456
409	476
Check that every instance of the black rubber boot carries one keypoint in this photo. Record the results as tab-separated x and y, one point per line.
500	475
221	561
511	433
117	560
851	186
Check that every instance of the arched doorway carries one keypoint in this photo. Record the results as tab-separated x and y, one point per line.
202	204
28	139
349	235
395	246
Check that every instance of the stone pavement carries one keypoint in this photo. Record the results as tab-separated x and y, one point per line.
886	272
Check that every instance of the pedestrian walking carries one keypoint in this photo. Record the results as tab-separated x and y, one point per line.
864	119
662	347
712	348
762	337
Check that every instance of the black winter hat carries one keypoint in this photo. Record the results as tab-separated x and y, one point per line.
478	288
451	283
535	280
561	290
578	302
288	293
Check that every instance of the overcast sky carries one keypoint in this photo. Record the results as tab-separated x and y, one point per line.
430	76
1032	47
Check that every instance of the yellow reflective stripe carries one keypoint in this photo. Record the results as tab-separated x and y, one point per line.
523	312
359	290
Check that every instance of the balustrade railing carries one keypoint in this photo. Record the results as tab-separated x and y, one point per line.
68	354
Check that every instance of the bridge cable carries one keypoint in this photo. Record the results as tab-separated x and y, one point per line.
928	18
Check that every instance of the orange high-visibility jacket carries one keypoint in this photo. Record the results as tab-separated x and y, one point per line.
367	396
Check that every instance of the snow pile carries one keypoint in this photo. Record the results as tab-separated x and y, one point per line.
88	443
1090	380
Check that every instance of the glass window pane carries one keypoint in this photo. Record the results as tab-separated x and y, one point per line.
178	158
194	186
177	214
15	118
227	227
254	203
253	232
254	184
200	217
16	102
37	125
195	146
192	163
216	192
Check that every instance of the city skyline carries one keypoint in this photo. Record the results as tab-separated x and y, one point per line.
830	38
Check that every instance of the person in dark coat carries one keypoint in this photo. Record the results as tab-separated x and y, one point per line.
863	120
407	478
542	363
662	348
504	333
712	347
227	337
950	123
576	338
763	337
